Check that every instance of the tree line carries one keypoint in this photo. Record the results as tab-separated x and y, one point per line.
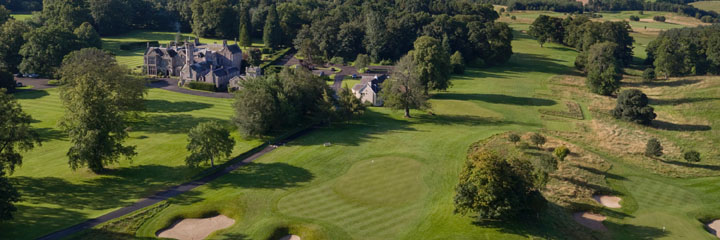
685	51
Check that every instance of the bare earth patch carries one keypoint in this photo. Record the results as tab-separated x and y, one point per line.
290	237
196	228
715	227
608	201
591	220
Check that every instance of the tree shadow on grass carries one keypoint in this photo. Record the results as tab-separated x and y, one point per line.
597	188
467	120
41	220
175	123
164	106
265	176
364	129
497	99
30	94
693	165
673	83
47	134
99	233
679	101
663	125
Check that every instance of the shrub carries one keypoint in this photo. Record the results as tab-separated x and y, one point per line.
513	18
514	138
692	156
386	62
648	74
659	18
634	18
538	139
502	10
653	148
632	105
561	152
201	86
457	62
337	61
362	61
706	19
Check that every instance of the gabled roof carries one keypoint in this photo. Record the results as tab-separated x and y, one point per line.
234	49
162	51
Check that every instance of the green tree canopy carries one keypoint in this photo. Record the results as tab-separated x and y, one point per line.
272	32
4	15
16	136
403	90
492	187
208	141
349	105
632	105
603	69
457	62
254	56
97	94
45	48
87	37
432	64
68	14
11	40
245	37
214	18
546	28
361	61
653	148
7	80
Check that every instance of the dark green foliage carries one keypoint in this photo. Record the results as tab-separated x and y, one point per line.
4	15
98	94
67	14
546	163
16	135
537	139
492	187
87	37
112	16
137	45
634	18
254	56
201	86
692	156
338	61
272	33
349	105
603	70
280	101
514	138
214	18
457	62
648	75
561	152
546	28
361	61
245	39
653	148
431	63
687	51
45	48
659	18
11	40
632	105
208	141
7	80
404	90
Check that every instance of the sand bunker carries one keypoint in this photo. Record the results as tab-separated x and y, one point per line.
196	228
608	201
591	220
290	237
715	227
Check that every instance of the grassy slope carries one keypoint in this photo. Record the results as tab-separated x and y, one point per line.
55	197
707	5
386	177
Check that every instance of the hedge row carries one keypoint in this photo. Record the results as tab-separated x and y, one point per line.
201	86
137	45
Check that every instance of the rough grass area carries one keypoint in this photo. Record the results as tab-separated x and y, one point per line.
707	5
55	197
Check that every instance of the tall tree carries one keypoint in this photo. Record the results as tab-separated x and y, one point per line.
632	105
272	33
457	62
208	141
375	35
245	39
112	16
98	95
214	18
87	37
45	48
68	14
11	40
4	15
432	64
403	90
16	136
349	105
603	69
546	28
7	80
492	187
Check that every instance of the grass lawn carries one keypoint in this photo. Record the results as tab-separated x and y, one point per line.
21	17
55	197
707	5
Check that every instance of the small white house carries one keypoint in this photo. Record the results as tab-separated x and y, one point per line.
368	89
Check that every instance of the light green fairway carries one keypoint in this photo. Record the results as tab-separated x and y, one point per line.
21	17
55	197
707	5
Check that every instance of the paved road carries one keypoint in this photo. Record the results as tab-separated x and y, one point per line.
37	83
172	85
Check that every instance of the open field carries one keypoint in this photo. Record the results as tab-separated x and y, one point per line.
707	5
55	197
21	17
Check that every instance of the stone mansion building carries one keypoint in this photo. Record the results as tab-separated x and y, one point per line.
193	61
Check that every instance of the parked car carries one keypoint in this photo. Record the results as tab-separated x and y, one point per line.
18	84
19	75
32	75
354	76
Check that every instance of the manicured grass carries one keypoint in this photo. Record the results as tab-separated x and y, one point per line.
55	197
21	17
707	5
678	21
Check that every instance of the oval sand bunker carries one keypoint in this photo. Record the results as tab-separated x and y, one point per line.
608	201
590	220
715	227
290	237
196	228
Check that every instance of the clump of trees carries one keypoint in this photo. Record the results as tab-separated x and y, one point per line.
99	96
653	148
603	70
634	18
493	187
632	106
404	89
432	64
659	18
692	156
648	75
208	141
686	51
16	136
